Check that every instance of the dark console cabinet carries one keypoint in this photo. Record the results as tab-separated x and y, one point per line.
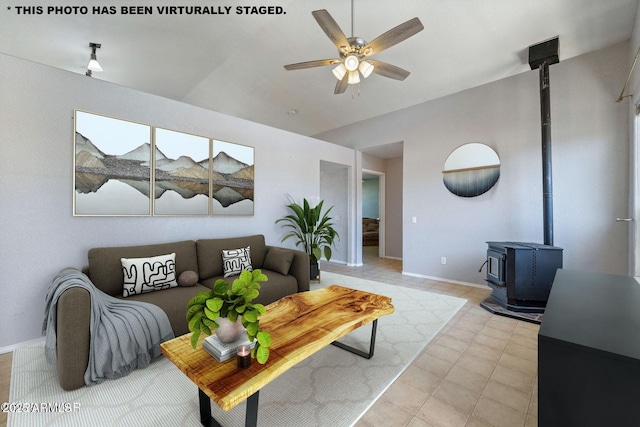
589	352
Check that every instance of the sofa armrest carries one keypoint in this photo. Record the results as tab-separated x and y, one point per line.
72	337
299	268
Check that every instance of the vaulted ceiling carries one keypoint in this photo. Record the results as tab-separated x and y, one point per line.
233	63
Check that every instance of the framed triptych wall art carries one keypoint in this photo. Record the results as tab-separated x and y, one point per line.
112	161
181	173
126	168
232	179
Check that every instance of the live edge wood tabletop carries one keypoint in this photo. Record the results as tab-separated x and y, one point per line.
300	325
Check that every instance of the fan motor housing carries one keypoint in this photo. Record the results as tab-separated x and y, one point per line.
356	44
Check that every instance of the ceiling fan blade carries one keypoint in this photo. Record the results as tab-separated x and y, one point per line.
342	85
393	36
311	64
388	70
331	29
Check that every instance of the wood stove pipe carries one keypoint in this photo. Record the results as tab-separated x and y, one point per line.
541	56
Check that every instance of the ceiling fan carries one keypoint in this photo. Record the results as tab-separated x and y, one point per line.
355	52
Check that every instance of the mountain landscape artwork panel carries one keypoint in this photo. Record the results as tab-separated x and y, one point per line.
112	173
181	173
232	178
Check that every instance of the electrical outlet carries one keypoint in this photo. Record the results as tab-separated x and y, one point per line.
443	260
414	219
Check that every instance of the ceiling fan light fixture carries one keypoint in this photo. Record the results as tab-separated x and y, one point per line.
354	77
366	68
340	71
351	62
353	52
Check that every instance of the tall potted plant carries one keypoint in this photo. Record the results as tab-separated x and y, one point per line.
312	229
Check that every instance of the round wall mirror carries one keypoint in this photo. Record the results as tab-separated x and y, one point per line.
471	169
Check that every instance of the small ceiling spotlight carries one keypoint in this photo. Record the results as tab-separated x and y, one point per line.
93	63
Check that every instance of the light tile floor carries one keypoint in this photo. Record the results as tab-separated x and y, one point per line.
481	370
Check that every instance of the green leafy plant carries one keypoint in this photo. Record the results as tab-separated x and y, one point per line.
312	229
231	301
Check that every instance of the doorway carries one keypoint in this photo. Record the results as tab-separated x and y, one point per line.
385	163
373	214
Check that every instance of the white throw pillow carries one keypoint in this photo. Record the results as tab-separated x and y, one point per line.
148	274
236	260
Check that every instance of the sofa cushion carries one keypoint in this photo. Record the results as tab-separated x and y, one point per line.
105	268
174	302
234	261
210	253
187	278
278	286
143	275
278	260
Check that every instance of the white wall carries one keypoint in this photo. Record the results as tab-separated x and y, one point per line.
40	236
393	210
335	191
590	168
373	163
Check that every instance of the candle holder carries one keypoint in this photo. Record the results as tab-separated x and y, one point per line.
243	356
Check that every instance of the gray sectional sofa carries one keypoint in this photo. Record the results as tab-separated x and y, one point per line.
287	270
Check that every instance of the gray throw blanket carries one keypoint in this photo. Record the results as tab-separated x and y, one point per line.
125	335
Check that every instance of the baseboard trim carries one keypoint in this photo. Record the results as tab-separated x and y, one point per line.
443	279
393	257
11	348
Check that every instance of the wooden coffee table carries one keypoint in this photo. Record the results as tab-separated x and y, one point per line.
300	325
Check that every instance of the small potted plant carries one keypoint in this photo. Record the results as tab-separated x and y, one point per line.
206	310
313	230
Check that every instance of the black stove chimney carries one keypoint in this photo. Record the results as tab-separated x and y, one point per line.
541	56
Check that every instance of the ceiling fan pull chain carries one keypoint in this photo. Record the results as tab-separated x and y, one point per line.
356	91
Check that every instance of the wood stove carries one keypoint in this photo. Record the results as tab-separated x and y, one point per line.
521	274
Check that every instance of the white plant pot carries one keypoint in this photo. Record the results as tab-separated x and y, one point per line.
228	330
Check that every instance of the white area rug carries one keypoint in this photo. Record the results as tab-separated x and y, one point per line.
331	388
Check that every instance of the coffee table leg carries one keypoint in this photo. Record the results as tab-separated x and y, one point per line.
361	353
205	410
251	417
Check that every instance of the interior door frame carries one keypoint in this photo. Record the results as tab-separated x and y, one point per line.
381	210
